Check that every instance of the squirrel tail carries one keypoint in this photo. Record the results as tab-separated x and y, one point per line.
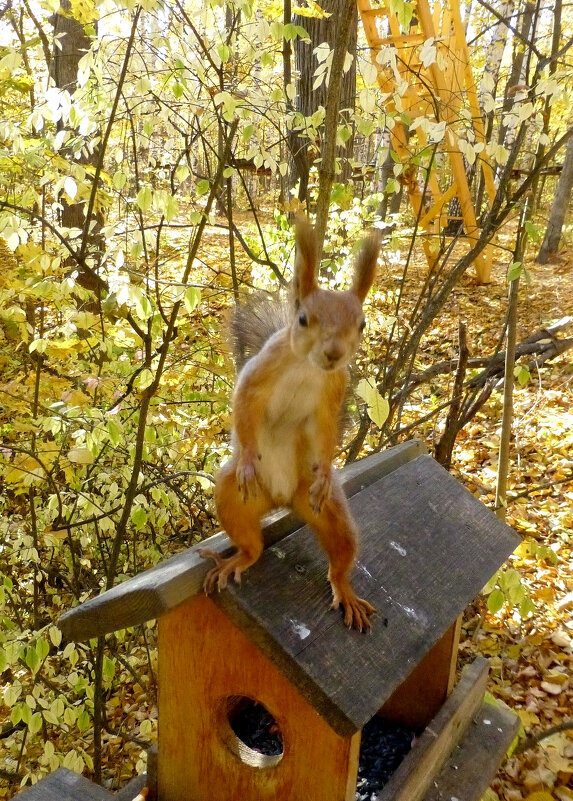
254	322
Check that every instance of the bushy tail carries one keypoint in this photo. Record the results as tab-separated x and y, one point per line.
253	322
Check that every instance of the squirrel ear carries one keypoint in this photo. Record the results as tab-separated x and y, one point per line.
365	267
305	266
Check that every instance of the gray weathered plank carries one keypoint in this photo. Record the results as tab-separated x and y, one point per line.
132	788
475	761
154	592
65	785
428	547
411	780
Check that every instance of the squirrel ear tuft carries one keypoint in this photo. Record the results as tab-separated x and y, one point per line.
365	267
305	266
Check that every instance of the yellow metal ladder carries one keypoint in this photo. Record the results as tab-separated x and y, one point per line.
444	92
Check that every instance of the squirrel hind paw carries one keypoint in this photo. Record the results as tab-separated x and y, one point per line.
216	576
219	575
357	612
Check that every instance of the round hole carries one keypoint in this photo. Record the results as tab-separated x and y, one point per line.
252	732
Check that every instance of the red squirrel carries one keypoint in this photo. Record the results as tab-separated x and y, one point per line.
286	409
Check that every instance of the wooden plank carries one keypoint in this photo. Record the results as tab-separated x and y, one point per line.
419	698
414	776
132	789
206	662
64	785
154	592
474	762
428	546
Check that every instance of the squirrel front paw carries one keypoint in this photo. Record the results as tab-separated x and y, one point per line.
321	487
246	475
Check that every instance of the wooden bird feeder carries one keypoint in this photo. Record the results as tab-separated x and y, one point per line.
427	548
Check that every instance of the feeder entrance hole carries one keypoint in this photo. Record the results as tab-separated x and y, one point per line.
251	732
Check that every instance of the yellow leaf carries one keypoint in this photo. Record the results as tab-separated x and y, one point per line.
527	718
80	456
541	795
312	10
378	407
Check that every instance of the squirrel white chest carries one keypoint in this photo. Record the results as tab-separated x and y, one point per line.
289	418
295	396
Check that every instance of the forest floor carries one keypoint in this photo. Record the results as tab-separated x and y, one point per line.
531	661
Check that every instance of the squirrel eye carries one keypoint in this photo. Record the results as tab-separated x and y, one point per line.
363	325
303	320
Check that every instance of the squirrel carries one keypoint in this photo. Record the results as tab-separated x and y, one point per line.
286	407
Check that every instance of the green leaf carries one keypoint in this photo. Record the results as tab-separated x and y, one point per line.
119	180
144	198
203	186
224	52
182	173
108	669
377	406
42	648
522	374
526	608
192	298
404	12
138	517
514	271
84	721
495	601
508	579
144	379
38	346
115	431
32	659
11	694
35	723
143	307
171	209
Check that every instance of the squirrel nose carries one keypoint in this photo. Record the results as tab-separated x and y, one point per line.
333	352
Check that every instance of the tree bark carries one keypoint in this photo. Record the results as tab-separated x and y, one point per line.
558	208
326	173
308	100
72	45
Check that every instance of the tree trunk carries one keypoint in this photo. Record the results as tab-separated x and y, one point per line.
558	209
518	75
308	100
73	43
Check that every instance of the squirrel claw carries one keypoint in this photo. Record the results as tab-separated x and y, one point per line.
219	574
215	577
357	611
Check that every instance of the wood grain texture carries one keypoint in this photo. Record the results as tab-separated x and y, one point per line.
64	785
204	661
154	592
414	776
474	762
428	547
418	699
